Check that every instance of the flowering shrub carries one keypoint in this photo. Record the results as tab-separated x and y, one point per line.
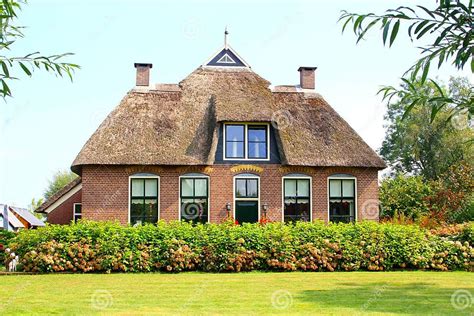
449	199
176	247
5	237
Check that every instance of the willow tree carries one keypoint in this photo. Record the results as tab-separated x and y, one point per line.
9	34
448	30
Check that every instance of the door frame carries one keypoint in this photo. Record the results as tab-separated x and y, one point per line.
246	176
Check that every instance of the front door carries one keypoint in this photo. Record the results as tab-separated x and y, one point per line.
246	198
246	211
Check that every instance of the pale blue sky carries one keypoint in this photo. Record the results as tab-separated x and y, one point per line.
46	123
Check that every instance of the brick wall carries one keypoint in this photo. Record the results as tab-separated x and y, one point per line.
106	189
63	213
307	78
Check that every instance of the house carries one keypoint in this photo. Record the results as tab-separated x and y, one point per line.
17	218
221	143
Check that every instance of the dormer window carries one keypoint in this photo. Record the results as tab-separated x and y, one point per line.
246	141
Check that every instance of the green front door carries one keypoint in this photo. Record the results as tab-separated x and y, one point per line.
246	211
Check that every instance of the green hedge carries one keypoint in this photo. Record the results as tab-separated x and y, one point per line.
177	246
5	238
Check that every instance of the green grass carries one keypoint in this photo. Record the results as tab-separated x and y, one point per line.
352	293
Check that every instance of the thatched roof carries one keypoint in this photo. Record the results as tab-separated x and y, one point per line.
178	124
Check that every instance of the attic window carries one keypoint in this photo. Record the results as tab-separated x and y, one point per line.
246	141
226	59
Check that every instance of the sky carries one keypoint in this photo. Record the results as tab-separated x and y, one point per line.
47	121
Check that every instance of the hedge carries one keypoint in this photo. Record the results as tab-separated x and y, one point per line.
179	246
5	238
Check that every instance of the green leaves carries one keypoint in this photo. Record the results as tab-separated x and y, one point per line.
175	247
386	28
31	61
9	33
25	69
394	32
451	22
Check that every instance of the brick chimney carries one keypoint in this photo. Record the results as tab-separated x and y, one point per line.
143	74
307	77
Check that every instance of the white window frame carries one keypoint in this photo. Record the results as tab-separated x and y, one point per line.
226	62
208	193
297	177
147	176
235	198
343	177
74	211
246	125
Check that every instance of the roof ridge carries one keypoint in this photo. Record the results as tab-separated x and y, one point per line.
56	196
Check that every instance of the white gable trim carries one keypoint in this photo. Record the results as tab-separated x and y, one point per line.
221	60
63	198
205	64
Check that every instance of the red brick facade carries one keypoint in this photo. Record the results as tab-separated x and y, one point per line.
105	193
63	213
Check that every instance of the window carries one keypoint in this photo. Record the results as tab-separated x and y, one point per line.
194	199
246	198
144	200
342	200
235	140
297	199
77	212
246	188
246	141
226	59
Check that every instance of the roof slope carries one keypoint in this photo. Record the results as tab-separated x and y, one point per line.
314	134
12	220
175	125
27	216
56	196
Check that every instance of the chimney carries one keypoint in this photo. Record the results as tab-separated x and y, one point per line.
143	74
307	77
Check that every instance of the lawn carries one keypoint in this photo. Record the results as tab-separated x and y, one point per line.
244	293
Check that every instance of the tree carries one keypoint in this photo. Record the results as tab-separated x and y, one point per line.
414	144
404	196
450	28
9	34
60	179
453	195
34	205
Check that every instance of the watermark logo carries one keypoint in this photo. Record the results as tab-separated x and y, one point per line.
191	28
282	299
282	119
191	210
375	297
101	299
370	209
462	299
